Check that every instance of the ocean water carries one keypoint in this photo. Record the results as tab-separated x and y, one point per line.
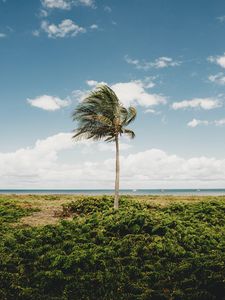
215	192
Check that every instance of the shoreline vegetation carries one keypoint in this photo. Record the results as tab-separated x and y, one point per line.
78	247
48	208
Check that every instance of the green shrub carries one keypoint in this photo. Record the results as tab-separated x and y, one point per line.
11	213
138	252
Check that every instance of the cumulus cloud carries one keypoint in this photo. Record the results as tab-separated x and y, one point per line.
111	147
49	103
44	165
79	95
65	4
40	166
220	122
61	4
164	62
194	123
204	103
94	26
91	82
94	83
67	28
85	2
130	93
27	162
2	35
159	63
134	93
218	78
148	82
36	33
219	60
152	111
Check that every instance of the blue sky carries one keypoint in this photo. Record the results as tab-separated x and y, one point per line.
167	58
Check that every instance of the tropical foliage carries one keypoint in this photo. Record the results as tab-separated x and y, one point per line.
102	116
139	252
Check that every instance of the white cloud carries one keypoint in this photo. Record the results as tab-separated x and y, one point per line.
163	62
94	26
94	83
152	111
45	165
219	60
159	63
111	147
204	103
134	93
89	3
67	28
61	4
36	33
130	93
49	103
148	82
194	123
65	4
131	61
80	95
218	78
2	35
220	122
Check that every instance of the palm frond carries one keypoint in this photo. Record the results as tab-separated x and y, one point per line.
131	114
101	116
129	133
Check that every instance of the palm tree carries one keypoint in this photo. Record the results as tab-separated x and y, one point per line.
102	116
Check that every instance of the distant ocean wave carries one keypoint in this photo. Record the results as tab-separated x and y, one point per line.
122	191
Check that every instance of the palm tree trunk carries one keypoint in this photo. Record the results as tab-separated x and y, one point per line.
117	181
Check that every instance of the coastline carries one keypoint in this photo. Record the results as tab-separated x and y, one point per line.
131	192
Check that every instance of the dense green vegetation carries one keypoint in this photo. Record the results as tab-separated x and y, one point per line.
139	252
10	213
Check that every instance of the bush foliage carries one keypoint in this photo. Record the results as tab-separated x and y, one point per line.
139	252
